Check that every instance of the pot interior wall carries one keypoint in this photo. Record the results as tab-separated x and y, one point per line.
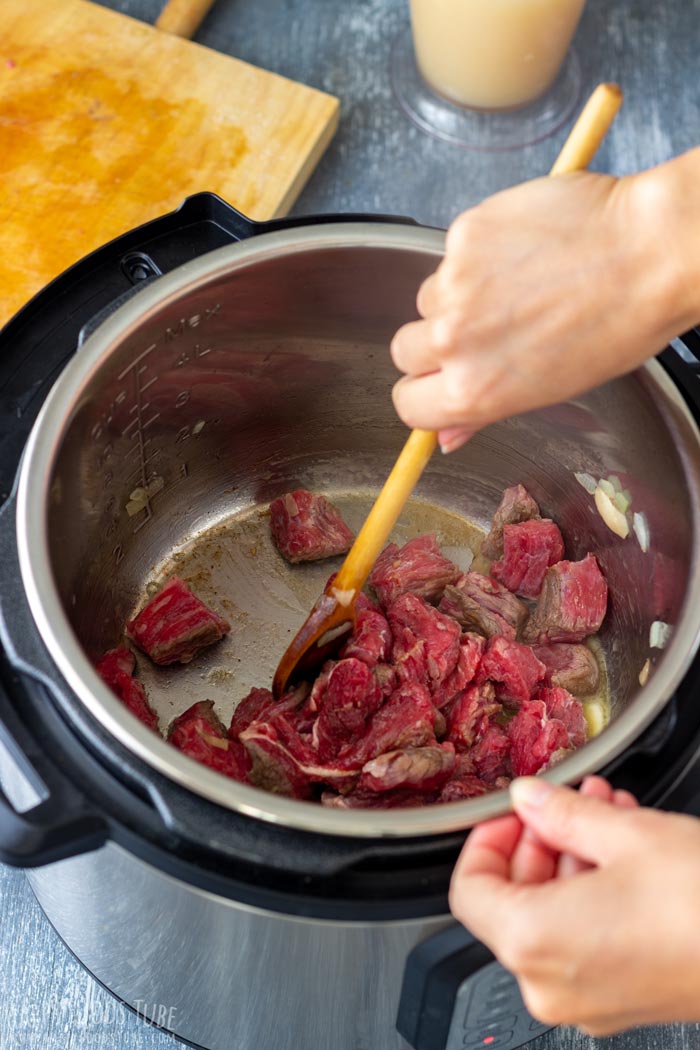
277	376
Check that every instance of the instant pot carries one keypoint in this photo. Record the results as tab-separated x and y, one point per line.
212	363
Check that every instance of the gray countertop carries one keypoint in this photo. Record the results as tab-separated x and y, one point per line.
377	162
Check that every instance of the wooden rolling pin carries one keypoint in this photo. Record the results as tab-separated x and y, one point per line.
333	614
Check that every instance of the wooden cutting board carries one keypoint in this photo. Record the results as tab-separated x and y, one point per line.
106	122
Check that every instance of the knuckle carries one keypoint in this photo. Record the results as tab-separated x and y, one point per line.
462	233
446	333
542	1002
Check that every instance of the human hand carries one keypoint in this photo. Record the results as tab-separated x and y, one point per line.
547	290
594	906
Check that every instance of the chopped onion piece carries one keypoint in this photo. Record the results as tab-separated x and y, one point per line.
595	717
344	597
613	518
641	530
621	502
659	634
588	482
644	673
198	427
607	488
615	482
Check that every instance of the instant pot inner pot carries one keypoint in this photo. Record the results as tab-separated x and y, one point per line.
276	375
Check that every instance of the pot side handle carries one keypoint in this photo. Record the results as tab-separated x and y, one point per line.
456	996
59	825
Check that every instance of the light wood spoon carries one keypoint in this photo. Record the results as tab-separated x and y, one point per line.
333	615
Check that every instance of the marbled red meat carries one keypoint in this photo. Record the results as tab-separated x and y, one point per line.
407	719
307	527
516	505
513	668
440	633
174	625
249	709
200	734
566	709
491	756
116	669
471	649
372	639
419	768
409	656
484	605
285	762
350	698
571	666
572	603
535	738
529	549
419	567
469	716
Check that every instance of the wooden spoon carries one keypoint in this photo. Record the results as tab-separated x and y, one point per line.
333	615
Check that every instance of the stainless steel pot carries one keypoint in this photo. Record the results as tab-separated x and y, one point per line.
264	366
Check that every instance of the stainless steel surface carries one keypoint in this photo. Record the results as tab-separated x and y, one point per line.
231	975
262	367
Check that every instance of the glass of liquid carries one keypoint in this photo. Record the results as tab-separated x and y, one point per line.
488	74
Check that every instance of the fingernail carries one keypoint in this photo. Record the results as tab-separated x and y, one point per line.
453	438
530	792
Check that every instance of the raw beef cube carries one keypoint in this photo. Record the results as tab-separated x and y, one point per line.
566	709
471	649
469	716
571	605
491	755
571	666
407	719
174	625
116	669
115	663
440	633
528	551
307	527
514	668
365	799
418	567
457	789
484	605
200	734
284	762
318	689
371	640
535	738
420	768
409	656
516	505
351	697
248	710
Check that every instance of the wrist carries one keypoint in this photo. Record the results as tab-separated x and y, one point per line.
665	212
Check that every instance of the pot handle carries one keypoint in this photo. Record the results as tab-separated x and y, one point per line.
456	996
59	824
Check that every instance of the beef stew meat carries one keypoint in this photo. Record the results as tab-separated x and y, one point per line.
419	567
307	527
529	549
484	605
572	603
116	669
175	624
199	733
447	688
571	666
516	505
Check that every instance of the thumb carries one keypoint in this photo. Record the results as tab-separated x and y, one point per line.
591	829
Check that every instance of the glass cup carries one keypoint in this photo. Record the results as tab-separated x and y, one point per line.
490	74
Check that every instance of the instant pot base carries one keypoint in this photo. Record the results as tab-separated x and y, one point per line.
251	978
